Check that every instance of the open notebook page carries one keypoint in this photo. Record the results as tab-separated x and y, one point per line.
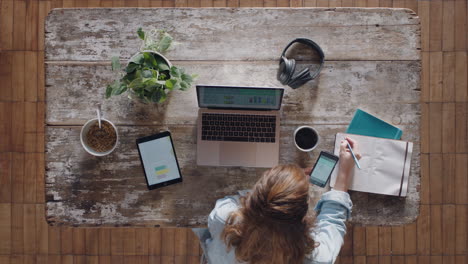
384	165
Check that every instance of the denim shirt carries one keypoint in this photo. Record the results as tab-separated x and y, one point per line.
334	209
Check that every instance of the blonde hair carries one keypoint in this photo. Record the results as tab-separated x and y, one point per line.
272	225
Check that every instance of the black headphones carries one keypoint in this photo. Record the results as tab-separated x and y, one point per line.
287	66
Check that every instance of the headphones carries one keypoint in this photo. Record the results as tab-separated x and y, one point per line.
287	66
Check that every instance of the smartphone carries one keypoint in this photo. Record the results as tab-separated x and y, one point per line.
323	169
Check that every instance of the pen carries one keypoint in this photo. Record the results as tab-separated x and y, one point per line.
352	153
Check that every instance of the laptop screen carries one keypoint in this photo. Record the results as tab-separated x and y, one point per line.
228	97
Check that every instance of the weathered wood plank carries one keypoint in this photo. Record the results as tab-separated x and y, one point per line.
86	190
246	34
388	89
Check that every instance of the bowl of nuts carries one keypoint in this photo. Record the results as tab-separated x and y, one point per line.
99	138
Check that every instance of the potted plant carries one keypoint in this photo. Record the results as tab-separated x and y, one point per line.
149	76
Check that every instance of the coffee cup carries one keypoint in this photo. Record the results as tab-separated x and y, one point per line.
99	141
306	138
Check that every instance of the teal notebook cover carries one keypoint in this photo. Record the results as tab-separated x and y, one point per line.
368	125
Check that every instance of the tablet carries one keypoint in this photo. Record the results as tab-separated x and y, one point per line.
159	160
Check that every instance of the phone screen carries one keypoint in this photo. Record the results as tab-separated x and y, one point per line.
323	169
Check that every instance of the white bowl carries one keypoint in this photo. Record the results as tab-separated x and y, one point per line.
84	131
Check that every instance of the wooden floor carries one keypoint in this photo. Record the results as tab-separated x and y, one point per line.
440	234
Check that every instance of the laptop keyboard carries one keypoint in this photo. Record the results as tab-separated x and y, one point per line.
237	127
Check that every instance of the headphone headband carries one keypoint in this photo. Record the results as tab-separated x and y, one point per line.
309	43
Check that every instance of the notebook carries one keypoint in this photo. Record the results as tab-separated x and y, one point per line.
368	125
385	165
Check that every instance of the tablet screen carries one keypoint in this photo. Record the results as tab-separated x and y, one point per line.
159	159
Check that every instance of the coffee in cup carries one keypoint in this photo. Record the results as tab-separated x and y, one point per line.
306	138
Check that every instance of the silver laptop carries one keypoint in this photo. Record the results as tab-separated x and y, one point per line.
238	126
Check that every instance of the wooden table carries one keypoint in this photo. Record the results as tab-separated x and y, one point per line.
372	63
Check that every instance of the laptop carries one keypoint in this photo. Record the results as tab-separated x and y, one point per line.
238	126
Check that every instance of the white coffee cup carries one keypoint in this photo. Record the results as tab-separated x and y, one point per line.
306	135
84	131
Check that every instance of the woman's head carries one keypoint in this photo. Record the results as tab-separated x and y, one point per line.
272	225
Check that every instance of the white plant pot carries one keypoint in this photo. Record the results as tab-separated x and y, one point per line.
168	62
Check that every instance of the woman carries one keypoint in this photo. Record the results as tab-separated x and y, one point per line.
270	223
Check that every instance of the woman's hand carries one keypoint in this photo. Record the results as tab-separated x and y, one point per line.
346	166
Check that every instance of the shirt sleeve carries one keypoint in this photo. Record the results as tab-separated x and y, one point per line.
214	248
218	216
334	209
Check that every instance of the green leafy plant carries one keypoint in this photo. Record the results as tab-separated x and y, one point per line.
148	76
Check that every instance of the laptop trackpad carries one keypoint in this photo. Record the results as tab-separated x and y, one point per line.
237	154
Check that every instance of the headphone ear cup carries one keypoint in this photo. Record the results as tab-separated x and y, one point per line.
297	83
300	79
302	74
286	70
